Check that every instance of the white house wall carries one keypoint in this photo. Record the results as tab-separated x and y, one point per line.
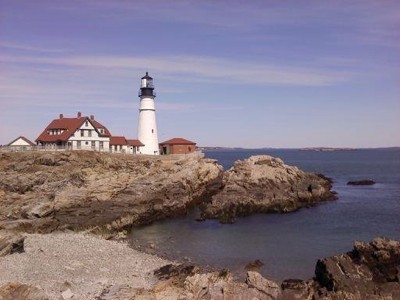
86	140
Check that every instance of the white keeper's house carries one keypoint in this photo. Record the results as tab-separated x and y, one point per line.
84	133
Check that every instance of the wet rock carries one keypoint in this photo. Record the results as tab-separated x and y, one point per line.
11	242
18	291
170	270
361	182
264	184
254	265
297	289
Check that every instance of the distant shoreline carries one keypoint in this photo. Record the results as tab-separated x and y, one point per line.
207	148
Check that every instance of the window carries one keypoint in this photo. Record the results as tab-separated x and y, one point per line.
93	144
82	132
89	133
86	143
87	123
78	144
152	131
101	145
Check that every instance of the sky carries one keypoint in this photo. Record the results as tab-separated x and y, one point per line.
281	74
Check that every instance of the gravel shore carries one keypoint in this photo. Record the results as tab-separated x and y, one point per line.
84	264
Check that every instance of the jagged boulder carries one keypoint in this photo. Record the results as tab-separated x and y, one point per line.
264	184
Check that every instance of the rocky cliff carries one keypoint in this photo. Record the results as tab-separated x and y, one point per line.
264	184
41	192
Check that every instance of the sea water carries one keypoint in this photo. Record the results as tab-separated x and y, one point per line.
290	244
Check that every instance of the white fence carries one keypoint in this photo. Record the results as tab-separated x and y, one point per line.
66	148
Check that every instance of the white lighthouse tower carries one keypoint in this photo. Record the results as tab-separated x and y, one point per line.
147	129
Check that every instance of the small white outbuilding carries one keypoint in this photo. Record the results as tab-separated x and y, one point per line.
21	143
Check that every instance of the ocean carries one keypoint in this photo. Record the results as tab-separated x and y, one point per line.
290	244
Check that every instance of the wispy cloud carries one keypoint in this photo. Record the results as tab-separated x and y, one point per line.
210	68
30	48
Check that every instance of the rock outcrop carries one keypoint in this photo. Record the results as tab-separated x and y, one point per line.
370	271
264	184
42	191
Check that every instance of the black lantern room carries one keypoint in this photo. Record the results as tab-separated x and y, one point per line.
146	86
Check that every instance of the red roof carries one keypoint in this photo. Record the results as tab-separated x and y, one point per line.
118	140
178	141
69	125
22	138
135	143
121	140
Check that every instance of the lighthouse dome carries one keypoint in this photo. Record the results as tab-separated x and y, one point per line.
147	76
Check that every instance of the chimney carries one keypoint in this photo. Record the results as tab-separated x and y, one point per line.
92	117
79	114
61	116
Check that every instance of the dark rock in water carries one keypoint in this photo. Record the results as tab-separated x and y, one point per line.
254	265
264	184
362	182
11	242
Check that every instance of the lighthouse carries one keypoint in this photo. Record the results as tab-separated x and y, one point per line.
147	129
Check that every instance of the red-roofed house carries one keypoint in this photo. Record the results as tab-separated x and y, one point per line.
80	133
177	146
119	144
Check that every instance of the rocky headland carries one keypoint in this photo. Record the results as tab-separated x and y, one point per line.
43	192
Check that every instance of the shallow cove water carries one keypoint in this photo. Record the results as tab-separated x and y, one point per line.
290	244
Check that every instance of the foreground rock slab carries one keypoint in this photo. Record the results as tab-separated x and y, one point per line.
264	184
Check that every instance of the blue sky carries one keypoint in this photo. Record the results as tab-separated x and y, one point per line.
227	73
